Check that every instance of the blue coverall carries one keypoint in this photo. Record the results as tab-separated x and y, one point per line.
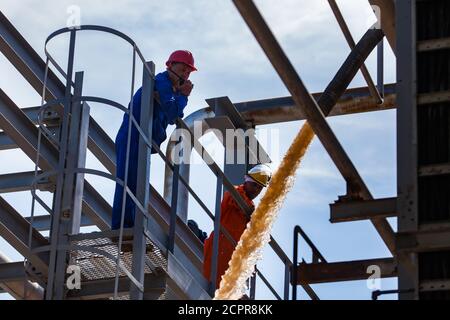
171	106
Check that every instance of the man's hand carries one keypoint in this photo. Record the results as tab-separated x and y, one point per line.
186	88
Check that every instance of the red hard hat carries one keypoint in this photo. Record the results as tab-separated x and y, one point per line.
183	56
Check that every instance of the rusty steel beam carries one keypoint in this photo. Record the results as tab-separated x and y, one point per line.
283	109
310	273
13	280
15	229
387	15
354	210
315	114
351	43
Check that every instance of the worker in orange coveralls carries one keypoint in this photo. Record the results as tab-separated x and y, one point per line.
234	220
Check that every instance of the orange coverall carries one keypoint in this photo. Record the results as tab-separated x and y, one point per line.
234	220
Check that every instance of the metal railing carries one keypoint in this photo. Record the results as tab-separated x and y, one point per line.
316	257
148	77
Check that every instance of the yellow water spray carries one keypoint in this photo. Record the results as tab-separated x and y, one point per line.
257	233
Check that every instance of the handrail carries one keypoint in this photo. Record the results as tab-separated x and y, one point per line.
316	256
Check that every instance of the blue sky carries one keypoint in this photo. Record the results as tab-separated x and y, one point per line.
232	64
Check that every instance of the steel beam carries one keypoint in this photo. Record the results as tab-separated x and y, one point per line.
434	44
434	169
424	240
310	273
15	229
182	282
315	114
25	134
21	181
26	60
14	281
12	271
101	289
42	222
20	128
283	109
385	10
354	210
351	43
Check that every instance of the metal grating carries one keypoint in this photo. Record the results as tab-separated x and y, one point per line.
95	266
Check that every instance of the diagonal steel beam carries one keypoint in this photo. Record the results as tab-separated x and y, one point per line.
25	134
15	229
21	181
351	43
13	280
26	60
313	112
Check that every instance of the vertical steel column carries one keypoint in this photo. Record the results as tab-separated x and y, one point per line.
76	154
287	274
253	286
295	263
173	208
143	180
81	163
69	218
380	68
407	189
215	251
57	261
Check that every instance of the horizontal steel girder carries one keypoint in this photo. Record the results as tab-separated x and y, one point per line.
15	230
355	210
310	273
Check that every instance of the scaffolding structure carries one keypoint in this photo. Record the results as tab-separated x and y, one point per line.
166	260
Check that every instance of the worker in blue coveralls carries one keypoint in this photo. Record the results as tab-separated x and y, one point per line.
172	89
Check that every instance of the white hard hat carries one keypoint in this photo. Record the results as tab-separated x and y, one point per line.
261	174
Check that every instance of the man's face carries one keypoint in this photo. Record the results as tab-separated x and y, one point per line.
252	189
181	69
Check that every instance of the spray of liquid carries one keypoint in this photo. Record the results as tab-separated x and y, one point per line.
257	234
